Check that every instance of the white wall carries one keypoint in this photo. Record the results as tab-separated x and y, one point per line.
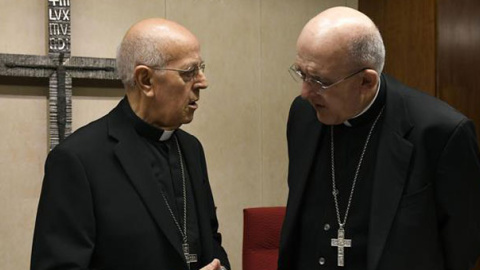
247	45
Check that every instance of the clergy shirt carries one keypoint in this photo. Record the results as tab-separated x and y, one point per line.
167	170
318	220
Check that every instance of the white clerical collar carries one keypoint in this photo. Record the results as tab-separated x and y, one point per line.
347	123
166	135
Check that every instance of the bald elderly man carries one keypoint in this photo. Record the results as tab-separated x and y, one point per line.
381	176
131	190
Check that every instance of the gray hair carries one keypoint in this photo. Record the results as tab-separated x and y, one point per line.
368	50
137	50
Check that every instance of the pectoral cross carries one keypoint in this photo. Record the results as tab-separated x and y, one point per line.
190	258
341	243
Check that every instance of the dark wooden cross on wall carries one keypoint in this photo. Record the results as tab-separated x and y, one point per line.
60	68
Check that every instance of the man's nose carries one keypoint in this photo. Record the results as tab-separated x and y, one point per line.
201	80
307	90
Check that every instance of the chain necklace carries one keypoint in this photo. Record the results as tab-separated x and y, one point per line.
190	258
341	242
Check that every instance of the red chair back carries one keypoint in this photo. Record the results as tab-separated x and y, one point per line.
261	237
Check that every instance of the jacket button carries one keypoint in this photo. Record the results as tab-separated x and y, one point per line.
326	227
321	261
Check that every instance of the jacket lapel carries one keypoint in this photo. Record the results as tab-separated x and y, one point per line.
391	171
303	144
192	159
130	151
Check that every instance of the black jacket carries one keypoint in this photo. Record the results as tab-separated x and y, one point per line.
101	208
426	190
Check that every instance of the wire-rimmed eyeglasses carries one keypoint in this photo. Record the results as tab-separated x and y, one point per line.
187	74
299	76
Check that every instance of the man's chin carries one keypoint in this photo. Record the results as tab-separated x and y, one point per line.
327	120
322	119
187	120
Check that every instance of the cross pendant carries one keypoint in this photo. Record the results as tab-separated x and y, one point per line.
190	258
341	243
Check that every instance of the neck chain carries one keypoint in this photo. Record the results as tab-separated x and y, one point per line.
341	242
190	258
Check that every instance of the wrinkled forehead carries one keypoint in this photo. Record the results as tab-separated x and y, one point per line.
182	49
326	43
321	53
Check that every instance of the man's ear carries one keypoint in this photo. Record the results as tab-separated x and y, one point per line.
370	79
142	75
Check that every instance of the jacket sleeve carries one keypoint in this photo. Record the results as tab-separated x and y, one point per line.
65	225
218	251
457	188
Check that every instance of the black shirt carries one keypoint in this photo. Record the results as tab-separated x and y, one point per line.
318	221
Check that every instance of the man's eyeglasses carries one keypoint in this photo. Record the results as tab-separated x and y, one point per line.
187	74
300	76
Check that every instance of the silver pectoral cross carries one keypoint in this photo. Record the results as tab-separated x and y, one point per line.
341	243
190	258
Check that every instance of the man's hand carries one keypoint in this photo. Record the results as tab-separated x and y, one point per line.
214	265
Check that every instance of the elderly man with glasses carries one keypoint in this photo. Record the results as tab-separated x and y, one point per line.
131	190
381	176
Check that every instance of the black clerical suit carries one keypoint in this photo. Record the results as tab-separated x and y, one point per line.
417	205
102	207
